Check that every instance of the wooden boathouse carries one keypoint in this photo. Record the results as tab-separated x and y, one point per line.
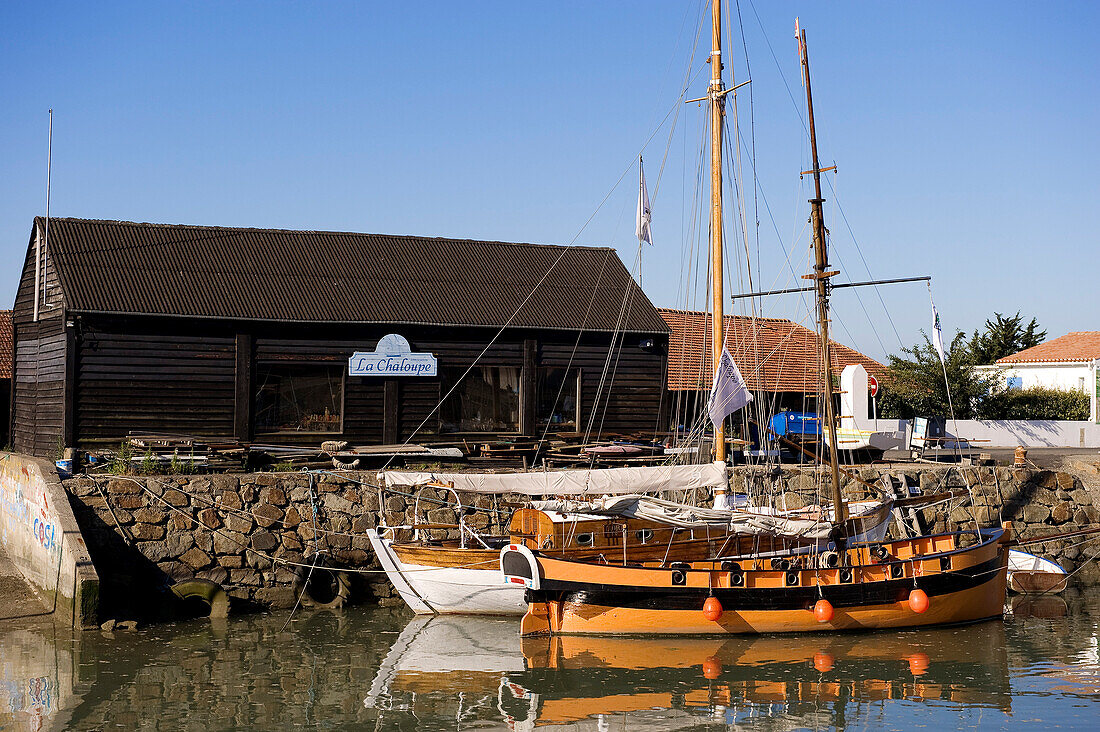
295	337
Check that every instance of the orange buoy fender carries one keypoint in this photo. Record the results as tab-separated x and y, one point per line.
823	661
712	609
918	600
919	663
823	610
712	668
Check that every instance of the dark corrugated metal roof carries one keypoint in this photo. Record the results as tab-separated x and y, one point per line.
324	276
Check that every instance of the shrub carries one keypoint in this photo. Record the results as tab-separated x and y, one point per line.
1038	402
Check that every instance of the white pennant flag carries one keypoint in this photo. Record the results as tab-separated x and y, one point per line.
642	226
937	334
729	392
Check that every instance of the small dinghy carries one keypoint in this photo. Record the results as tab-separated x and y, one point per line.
1032	575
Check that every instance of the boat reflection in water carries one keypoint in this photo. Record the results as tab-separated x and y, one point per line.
794	681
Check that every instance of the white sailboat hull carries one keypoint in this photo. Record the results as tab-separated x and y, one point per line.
431	590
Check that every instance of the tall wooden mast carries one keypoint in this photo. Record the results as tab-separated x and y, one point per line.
821	277
717	101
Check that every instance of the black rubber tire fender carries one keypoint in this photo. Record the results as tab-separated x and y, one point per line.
339	587
207	591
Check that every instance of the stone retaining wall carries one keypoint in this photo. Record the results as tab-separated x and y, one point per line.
248	532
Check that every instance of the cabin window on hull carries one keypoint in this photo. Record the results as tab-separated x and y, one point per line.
299	398
556	392
486	400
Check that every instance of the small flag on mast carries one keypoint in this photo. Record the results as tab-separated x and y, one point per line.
729	392
937	334
642	227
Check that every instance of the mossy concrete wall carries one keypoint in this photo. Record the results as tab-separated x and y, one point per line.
41	536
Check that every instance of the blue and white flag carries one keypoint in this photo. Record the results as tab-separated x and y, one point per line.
729	392
937	334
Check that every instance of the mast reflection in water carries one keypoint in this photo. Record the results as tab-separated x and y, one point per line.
377	669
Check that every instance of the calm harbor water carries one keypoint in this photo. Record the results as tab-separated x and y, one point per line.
370	668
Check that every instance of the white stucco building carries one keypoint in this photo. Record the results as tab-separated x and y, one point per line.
1069	362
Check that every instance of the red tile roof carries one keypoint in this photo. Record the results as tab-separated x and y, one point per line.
779	355
6	344
1081	346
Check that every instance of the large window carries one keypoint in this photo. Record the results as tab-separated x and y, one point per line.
291	398
556	398
486	400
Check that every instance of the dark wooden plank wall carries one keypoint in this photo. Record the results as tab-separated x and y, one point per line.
179	377
630	396
153	382
363	397
39	384
39	367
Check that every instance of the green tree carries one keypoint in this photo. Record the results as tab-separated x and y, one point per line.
915	384
1004	337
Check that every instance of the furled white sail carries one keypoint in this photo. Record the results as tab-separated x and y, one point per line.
597	481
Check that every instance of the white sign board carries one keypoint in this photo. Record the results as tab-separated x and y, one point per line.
392	357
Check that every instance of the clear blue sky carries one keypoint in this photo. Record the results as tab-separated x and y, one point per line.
965	134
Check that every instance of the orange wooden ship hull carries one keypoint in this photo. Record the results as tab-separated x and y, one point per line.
869	592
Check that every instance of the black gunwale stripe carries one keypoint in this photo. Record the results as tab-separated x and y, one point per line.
765	598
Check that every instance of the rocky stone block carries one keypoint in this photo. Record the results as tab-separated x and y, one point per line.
234	561
210	518
154	550
396	504
214	574
267	515
239	523
1035	514
230	500
221	483
179	542
292	518
195	558
124	487
339	523
128	501
204	540
291	542
229	542
150	515
1061	513
176	498
264	541
180	522
334	502
147	532
244	577
273	495
276	597
1086	515
248	493
267	479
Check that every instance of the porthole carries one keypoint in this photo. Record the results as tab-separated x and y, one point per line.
585	539
791	579
896	570
644	536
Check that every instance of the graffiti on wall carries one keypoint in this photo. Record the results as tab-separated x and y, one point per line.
26	507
